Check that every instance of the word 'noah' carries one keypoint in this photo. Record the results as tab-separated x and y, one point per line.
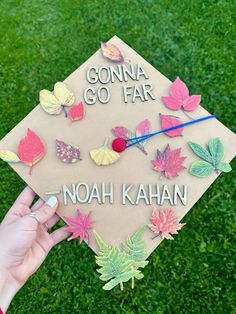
130	194
120	73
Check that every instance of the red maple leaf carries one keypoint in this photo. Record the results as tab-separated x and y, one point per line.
31	149
79	226
164	223
169	162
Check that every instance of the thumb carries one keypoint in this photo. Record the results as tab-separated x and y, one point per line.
47	210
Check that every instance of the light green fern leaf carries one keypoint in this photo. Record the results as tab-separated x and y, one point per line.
135	248
115	265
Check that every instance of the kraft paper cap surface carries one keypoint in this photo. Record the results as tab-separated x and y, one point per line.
114	222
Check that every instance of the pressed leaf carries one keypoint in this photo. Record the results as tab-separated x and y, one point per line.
179	90
223	166
169	163
212	157
164	223
64	94
114	264
68	153
49	102
31	149
201	168
111	52
135	248
179	97
216	149
170	121
54	103
191	102
171	103
200	151
143	128
103	155
8	156
76	112
79	226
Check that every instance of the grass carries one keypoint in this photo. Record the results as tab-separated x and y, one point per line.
44	41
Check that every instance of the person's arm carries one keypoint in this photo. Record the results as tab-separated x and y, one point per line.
8	289
25	242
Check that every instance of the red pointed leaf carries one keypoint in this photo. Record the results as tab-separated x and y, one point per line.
164	223
169	121
31	149
76	112
79	226
169	163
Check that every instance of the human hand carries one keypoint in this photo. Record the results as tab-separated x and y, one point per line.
25	241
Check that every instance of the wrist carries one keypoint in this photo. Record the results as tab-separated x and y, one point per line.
8	288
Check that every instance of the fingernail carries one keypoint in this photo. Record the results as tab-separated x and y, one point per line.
52	201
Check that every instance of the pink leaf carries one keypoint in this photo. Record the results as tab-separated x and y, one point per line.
179	90
171	102
164	223
67	153
31	149
179	97
191	102
143	128
125	133
79	226
169	121
76	112
169	163
121	131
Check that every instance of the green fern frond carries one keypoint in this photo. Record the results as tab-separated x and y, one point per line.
135	248
115	265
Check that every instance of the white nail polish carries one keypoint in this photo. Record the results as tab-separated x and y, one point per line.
52	201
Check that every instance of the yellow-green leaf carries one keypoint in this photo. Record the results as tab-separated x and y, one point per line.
8	156
49	102
63	94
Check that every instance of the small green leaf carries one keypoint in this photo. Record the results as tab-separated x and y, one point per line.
201	168
223	166
216	149
200	151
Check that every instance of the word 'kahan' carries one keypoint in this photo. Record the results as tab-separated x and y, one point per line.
130	194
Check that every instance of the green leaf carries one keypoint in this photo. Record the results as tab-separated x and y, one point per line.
216	149
115	265
200	151
201	168
102	245
223	166
135	248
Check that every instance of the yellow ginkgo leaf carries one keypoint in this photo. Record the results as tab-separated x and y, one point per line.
8	156
103	155
54	103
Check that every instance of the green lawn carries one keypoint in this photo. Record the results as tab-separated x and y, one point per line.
42	42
